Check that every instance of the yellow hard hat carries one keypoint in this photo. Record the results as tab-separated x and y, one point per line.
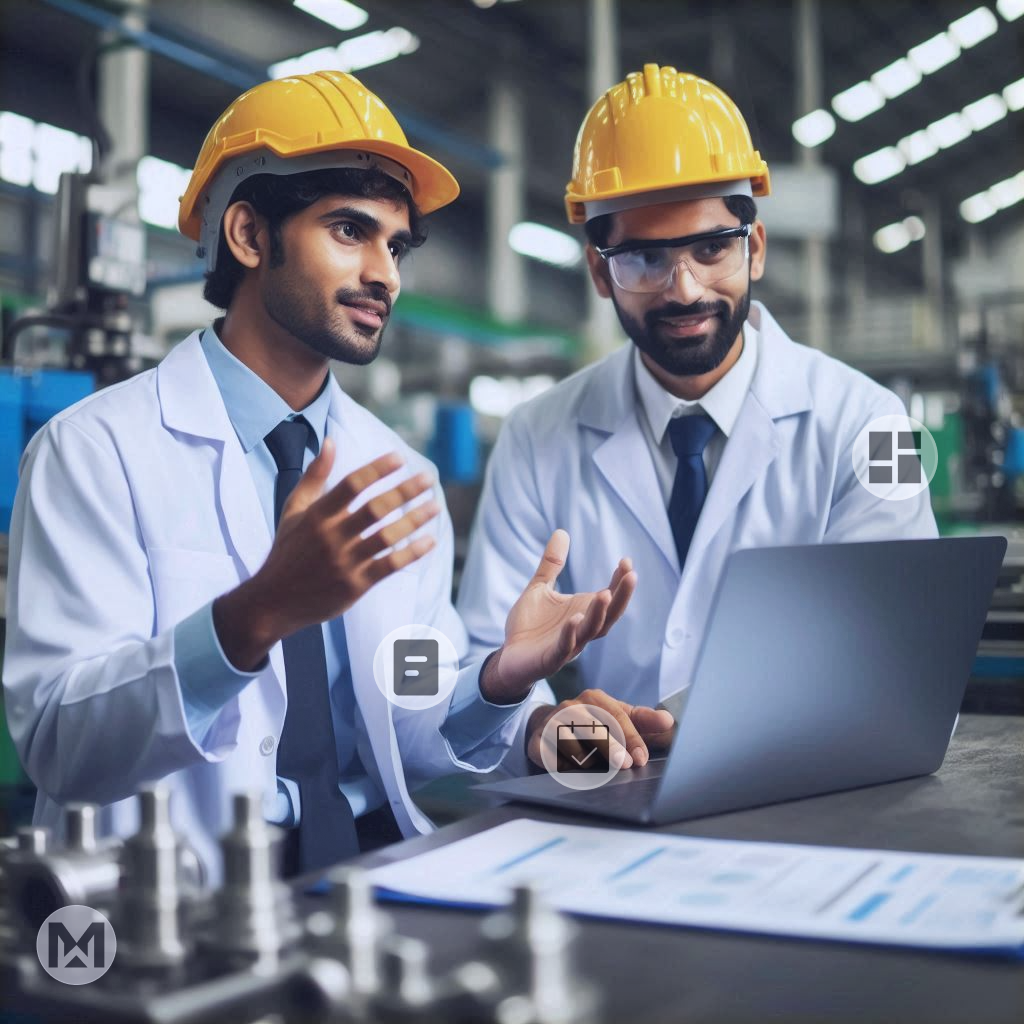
660	131
306	122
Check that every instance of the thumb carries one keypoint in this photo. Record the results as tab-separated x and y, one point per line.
312	483
553	560
651	721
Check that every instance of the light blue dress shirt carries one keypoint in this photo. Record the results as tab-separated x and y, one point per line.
208	680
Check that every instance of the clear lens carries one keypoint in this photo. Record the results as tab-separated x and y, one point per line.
651	270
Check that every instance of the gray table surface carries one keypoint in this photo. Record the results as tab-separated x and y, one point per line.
973	805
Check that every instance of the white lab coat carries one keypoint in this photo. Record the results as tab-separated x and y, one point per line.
136	508
576	458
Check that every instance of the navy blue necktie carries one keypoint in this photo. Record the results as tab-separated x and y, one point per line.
308	753
689	436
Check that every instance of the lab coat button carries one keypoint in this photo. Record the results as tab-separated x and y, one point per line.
676	637
267	745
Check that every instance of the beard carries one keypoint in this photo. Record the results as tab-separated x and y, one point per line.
324	327
686	357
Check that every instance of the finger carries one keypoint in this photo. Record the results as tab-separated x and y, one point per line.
311	483
621	596
624	566
382	505
656	725
634	742
390	535
344	493
382	567
578	733
553	559
593	622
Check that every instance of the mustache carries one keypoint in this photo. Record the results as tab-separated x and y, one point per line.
674	309
371	294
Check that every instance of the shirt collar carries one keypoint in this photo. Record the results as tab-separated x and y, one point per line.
253	406
722	402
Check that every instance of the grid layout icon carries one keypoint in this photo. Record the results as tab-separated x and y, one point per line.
907	456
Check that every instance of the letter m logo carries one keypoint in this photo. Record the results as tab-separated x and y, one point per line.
60	936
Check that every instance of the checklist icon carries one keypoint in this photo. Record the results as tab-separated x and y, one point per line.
582	748
416	668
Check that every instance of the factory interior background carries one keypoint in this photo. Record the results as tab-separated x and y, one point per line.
894	132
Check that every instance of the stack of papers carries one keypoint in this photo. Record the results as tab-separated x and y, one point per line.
877	896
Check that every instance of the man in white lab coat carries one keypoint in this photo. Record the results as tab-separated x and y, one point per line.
205	558
711	431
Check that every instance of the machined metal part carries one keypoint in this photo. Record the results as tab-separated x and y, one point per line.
531	946
253	923
148	915
351	928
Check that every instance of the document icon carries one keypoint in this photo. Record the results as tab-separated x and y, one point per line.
582	748
415	664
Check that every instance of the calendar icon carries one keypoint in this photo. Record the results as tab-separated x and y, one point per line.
582	748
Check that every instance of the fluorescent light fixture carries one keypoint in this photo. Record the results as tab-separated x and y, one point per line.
896	78
972	28
978	208
892	238
814	128
985	111
934	53
1011	10
1014	94
57	150
352	55
546	244
917	147
160	183
949	130
1006	193
877	166
858	101
16	131
915	228
339	13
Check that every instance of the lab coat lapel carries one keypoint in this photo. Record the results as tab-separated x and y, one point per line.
191	403
623	458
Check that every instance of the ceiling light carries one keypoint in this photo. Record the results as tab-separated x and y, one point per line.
949	130
814	128
877	166
896	78
1006	193
339	13
972	28
1011	10
934	53
160	183
985	111
352	55
917	147
858	101
1014	94
546	244
915	228
892	238
978	208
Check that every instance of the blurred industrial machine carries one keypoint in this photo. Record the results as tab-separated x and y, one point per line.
181	953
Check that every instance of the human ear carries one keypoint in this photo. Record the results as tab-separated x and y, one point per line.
244	233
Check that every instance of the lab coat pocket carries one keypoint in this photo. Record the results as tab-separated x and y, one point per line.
185	580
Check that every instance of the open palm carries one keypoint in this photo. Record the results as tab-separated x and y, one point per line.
546	629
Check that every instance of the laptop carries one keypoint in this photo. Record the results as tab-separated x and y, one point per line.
823	668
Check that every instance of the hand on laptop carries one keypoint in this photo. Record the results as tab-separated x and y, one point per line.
645	729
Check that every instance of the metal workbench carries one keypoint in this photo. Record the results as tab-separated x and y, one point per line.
648	975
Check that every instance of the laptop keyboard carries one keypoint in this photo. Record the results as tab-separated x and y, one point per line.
628	796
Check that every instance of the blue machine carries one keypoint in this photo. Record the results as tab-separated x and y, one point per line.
455	448
27	401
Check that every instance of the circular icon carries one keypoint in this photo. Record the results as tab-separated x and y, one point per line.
76	945
582	746
416	667
895	457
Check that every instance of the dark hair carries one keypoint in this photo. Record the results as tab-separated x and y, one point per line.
278	196
743	208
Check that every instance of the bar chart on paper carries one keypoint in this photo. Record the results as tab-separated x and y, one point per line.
876	896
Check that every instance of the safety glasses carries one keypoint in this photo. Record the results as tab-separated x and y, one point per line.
650	265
